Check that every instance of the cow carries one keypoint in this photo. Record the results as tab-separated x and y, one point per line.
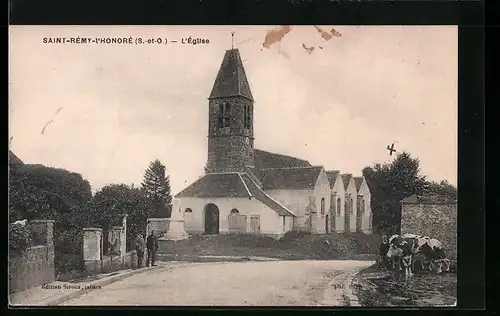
419	248
437	248
400	254
440	265
425	250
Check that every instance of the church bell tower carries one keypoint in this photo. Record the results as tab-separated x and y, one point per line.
230	127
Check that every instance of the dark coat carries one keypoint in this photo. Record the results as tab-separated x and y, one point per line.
152	242
139	243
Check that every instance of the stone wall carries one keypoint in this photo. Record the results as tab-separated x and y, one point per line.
434	220
112	263
35	265
29	269
159	225
118	259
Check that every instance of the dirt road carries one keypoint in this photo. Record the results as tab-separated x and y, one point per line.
278	283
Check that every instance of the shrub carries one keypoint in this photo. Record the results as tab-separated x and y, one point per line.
19	238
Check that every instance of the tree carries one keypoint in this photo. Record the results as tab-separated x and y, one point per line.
114	200
442	188
389	184
156	185
40	192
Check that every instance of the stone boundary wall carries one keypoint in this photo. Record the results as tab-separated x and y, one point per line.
434	220
112	263
35	265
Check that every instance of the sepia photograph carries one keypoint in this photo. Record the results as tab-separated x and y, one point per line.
278	165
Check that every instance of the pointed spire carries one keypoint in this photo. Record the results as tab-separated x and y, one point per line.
231	80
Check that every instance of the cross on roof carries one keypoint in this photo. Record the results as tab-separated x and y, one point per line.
232	40
391	149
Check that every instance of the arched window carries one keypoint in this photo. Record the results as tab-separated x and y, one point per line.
188	210
322	205
220	118
351	206
338	207
234	211
245	113
246	116
227	112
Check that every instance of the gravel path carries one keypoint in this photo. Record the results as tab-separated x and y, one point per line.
278	283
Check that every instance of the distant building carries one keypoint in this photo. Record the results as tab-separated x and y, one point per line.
431	215
364	218
254	191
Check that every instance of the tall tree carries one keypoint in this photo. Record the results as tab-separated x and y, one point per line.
389	184
156	185
116	199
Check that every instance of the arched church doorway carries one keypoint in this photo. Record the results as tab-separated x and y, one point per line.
211	219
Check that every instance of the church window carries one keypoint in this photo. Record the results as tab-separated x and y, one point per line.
227	111
234	211
188	210
338	207
351	206
322	205
220	121
246	116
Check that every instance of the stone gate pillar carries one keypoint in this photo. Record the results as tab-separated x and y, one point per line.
92	248
43	233
115	240
123	236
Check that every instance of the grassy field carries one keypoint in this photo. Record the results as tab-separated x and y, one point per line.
376	286
293	246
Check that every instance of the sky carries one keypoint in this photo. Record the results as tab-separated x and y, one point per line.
107	110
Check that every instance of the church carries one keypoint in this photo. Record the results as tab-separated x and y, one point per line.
252	191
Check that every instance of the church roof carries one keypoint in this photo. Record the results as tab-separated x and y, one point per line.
231	80
427	199
332	176
216	185
289	178
346	178
14	160
264	159
358	181
233	185
261	196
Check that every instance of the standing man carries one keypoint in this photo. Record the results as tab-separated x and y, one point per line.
140	245
152	245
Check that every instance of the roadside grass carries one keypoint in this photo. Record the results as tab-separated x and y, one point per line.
293	246
375	286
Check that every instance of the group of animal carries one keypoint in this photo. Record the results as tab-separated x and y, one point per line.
406	252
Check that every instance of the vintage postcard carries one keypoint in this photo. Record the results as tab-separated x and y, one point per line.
233	165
